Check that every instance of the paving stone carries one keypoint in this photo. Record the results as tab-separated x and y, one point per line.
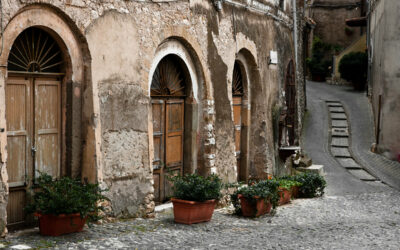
348	163
342	132
338	116
340	152
362	174
336	109
339	124
340	141
376	183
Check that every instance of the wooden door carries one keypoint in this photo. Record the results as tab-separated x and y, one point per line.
290	92
237	120
33	143
168	132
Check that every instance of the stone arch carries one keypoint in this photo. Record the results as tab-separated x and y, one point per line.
181	52
81	129
248	69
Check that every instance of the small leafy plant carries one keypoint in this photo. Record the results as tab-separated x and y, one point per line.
288	184
354	68
265	189
66	196
195	187
312	184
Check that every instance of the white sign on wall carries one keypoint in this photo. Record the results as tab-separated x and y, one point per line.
273	57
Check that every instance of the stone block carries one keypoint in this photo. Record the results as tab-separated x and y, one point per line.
362	175
319	169
336	109
339	124
334	104
338	116
340	152
340	141
342	132
348	163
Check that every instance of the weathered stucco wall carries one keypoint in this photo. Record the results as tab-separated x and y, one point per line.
385	74
120	43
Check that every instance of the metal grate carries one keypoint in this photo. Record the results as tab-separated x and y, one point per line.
167	79
36	51
237	85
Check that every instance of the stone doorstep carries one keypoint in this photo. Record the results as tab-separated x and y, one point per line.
338	116
340	142
340	152
163	207
319	169
339	124
362	175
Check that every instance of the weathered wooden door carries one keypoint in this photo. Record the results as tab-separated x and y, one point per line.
33	136
237	99
168	102
168	131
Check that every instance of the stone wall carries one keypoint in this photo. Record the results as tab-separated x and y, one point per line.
330	16
120	44
384	43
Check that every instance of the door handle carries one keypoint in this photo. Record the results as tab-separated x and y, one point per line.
33	151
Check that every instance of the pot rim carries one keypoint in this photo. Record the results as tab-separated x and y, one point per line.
192	202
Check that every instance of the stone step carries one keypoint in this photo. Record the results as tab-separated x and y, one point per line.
336	109
340	132
348	163
319	169
340	141
338	116
340	152
339	124
362	174
334	104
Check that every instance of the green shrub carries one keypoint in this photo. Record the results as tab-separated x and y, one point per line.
65	196
267	189
196	188
354	68
312	184
319	62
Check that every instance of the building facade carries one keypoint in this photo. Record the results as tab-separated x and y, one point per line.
125	93
384	72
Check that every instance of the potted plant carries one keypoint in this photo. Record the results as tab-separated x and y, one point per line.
286	189
353	67
194	197
64	205
319	62
257	199
312	184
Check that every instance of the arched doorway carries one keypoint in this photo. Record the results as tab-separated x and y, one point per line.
238	116
288	117
33	114
168	92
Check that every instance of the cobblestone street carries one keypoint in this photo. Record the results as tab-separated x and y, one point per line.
363	221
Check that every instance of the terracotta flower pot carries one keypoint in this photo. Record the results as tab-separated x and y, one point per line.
284	196
295	191
55	225
189	212
250	209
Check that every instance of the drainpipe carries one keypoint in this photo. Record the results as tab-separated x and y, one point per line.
369	84
295	32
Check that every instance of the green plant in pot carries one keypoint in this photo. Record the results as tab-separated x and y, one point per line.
257	199
312	184
194	197
64	205
287	187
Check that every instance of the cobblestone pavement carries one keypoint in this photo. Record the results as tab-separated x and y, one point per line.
352	215
362	221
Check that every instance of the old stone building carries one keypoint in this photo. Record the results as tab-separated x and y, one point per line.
384	73
330	16
125	92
